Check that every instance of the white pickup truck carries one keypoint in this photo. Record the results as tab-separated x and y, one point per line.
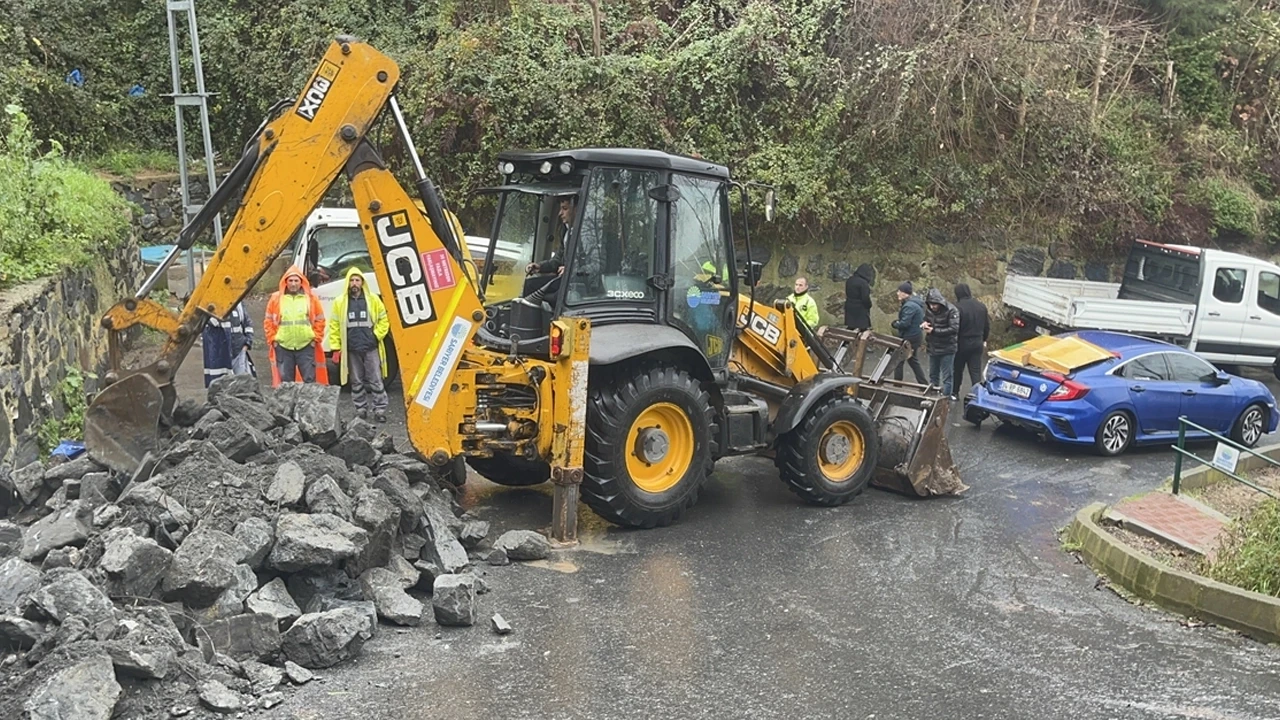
1224	306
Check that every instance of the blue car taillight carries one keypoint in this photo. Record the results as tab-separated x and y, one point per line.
1068	390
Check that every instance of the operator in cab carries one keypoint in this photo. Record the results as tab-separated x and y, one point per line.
544	277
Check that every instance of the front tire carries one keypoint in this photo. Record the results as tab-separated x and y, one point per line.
1250	426
829	459
1115	434
648	445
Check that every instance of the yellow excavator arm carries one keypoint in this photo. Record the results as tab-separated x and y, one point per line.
285	171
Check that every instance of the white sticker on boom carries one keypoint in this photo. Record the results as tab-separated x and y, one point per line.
442	367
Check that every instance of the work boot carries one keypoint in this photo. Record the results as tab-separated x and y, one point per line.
380	417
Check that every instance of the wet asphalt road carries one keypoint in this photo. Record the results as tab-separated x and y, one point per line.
756	605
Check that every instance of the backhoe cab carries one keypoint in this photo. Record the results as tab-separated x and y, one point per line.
603	342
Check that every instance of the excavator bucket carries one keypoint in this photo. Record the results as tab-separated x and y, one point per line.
915	458
122	423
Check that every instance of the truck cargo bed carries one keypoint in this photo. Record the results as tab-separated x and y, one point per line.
1082	304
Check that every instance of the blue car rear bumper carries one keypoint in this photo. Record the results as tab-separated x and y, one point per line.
1071	421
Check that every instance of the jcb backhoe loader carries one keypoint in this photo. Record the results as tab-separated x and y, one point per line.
626	373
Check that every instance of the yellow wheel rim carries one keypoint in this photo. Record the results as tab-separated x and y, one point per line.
841	451
659	447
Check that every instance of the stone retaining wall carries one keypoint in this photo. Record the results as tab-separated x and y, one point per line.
47	327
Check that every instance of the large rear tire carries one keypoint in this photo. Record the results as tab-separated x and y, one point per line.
511	471
829	459
648	449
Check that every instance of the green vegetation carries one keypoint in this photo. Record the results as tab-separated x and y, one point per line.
1086	122
52	213
1250	553
129	162
70	394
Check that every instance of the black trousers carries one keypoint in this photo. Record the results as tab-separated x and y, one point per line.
967	357
536	282
914	361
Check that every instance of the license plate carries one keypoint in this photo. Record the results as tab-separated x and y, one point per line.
1042	331
1015	389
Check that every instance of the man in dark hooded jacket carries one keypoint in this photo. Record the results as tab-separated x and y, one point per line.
857	298
975	328
941	328
910	317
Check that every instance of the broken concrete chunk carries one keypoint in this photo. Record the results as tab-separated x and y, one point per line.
321	640
203	566
134	565
473	533
231	601
86	690
394	605
280	401
395	486
411	546
67	593
498	557
428	571
204	428
414	469
18	579
380	519
251	636
106	515
28	481
408	574
96	490
355	451
141	661
270	700
19	633
188	412
298	675
500	625
64	557
241	386
70	470
442	546
314	540
274	599
70	526
262	678
155	505
324	496
454	600
366	608
316	412
257	535
237	440
11	539
255	414
524	545
218	697
288	485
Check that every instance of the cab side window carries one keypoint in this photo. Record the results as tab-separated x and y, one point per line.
1228	284
1269	292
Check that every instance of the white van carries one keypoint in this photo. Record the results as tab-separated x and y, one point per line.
1223	305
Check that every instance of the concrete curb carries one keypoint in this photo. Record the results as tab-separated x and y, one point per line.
1253	614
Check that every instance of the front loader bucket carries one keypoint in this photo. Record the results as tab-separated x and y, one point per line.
915	457
122	423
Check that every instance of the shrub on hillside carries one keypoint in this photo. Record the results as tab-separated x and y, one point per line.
52	213
1249	556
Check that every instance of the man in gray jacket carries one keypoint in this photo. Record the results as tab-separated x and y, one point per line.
941	330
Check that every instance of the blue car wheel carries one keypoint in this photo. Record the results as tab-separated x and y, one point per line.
1115	434
1251	426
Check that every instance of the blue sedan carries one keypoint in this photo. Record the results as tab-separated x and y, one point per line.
1112	390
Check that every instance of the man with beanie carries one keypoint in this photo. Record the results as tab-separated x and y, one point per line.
910	316
359	325
941	327
975	328
857	298
806	306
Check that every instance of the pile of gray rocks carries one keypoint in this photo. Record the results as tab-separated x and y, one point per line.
264	540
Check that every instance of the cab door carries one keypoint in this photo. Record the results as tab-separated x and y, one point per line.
1223	310
703	286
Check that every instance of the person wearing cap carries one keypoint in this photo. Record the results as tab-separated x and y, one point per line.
910	315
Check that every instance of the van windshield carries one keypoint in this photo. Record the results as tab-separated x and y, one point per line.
1161	276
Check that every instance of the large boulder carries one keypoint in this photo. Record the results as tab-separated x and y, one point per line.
473	533
524	545
442	546
148	662
67	593
257	535
274	599
255	414
70	470
241	386
69	526
251	636
325	581
315	463
316	411
237	439
85	690
454	599
18	579
288	485
356	451
203	566
395	485
414	469
314	540
324	496
281	401
380	519
133	565
321	640
154	505
386	590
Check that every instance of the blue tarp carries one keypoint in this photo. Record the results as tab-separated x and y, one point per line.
69	449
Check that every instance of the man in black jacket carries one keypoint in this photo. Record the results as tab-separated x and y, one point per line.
941	326
857	298
975	328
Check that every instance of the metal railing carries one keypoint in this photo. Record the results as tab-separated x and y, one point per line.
1181	451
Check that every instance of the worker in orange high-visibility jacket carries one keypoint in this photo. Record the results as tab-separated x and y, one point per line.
294	327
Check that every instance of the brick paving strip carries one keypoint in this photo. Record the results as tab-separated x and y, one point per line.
1176	519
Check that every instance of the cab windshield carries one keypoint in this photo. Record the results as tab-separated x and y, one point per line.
527	230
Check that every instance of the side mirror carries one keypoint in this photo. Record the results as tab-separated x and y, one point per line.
770	205
1221	378
751	274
